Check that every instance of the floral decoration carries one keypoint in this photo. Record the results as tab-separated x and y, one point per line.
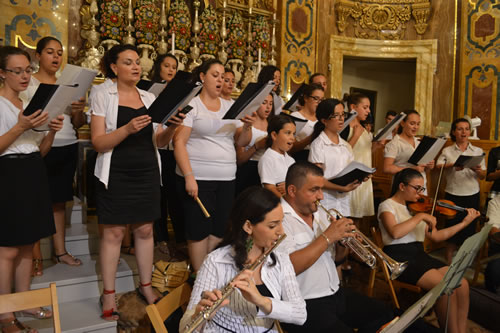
261	37
237	37
179	21
112	18
209	31
147	18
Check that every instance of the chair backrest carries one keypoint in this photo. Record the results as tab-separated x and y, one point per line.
167	305
33	299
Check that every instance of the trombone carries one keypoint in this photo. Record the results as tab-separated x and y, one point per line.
366	249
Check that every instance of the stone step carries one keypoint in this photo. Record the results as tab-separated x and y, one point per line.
82	282
77	317
81	239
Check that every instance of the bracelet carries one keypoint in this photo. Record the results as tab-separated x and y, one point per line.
188	174
326	238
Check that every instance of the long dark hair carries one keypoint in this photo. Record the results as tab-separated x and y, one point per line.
267	74
156	71
354	98
42	43
204	68
253	204
324	110
111	56
408	113
275	124
308	91
454	127
404	176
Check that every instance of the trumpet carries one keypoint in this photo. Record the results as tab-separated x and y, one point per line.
366	249
207	312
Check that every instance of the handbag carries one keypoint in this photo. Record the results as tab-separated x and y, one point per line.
169	275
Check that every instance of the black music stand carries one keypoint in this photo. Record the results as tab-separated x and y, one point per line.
462	260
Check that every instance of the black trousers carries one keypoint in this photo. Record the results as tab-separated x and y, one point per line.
342	312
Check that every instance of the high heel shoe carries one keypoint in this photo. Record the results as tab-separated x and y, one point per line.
41	313
37	268
73	262
142	296
110	314
14	325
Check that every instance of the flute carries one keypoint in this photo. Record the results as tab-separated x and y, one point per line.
206	313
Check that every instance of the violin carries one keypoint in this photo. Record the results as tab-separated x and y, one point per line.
444	207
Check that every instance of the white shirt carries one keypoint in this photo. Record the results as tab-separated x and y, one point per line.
321	278
278	103
26	143
494	211
67	135
334	157
401	214
401	150
210	146
464	182
93	90
218	269
307	130
273	167
257	135
105	104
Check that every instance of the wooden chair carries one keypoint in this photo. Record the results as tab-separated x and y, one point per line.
393	284
33	299
179	297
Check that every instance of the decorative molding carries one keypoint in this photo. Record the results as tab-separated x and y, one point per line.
424	51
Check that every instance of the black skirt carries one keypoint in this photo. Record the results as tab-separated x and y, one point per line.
470	201
61	166
24	200
419	262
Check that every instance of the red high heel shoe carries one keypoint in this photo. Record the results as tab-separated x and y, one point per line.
141	295
110	314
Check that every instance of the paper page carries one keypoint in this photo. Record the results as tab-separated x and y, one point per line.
58	103
256	102
410	315
387	130
432	152
352	166
157	88
72	74
184	102
351	117
471	161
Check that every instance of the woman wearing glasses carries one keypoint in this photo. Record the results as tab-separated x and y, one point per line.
332	153
403	236
313	95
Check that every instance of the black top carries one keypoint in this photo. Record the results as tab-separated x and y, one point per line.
493	159
137	151
263	290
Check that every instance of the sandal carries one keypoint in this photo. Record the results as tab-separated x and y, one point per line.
37	269
127	250
41	313
15	326
75	261
142	296
111	314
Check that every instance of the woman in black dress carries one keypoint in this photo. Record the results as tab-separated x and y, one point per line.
128	190
24	198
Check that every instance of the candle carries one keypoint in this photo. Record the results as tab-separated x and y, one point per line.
275	4
173	43
274	16
224	4
250	3
259	59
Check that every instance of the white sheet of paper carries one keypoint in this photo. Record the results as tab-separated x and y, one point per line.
432	152
59	102
255	104
84	77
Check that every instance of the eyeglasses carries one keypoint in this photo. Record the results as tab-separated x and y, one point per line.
317	99
19	72
417	188
337	116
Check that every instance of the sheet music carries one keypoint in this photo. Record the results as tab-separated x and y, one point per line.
353	114
256	102
58	103
387	130
72	74
410	315
469	161
182	104
430	154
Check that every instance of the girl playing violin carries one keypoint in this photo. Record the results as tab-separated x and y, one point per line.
403	236
462	184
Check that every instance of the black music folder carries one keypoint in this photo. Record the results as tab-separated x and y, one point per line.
53	98
176	95
291	105
427	150
153	87
299	122
344	131
467	161
249	100
354	171
387	130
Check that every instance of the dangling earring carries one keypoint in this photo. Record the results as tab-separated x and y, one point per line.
249	243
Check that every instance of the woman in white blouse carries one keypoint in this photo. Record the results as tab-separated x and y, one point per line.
399	150
128	171
332	153
462	184
403	236
206	162
270	292
313	95
24	199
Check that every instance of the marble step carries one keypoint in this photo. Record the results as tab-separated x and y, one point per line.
77	317
83	282
81	239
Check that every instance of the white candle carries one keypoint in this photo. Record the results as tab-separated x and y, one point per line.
173	43
224	4
259	59
250	3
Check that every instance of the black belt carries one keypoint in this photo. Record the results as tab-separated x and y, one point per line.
20	156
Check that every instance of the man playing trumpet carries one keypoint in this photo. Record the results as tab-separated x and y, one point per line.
312	244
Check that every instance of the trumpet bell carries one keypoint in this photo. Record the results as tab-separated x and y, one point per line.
397	268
